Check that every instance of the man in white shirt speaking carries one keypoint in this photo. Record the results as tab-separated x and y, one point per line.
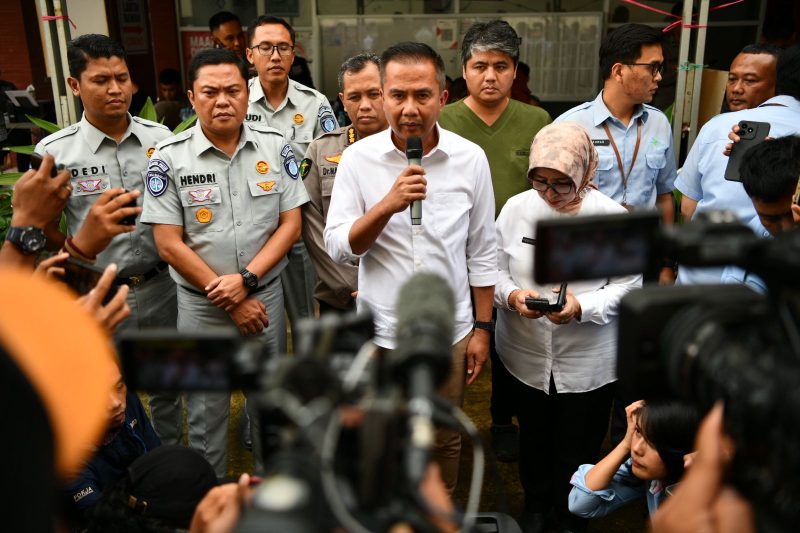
370	219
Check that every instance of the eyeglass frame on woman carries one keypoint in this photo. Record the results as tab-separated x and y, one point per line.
655	68
272	48
548	185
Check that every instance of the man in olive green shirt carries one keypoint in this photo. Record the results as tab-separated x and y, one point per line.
504	128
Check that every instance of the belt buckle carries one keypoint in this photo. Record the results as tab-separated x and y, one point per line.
137	280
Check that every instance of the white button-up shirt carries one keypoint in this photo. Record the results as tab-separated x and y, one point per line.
456	239
580	355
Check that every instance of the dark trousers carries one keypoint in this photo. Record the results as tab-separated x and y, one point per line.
558	433
502	406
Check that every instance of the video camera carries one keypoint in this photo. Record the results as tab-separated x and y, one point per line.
704	343
346	428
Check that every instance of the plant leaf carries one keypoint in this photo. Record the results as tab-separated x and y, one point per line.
10	178
148	111
27	150
184	125
47	126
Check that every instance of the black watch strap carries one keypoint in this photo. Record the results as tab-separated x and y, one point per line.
29	239
488	326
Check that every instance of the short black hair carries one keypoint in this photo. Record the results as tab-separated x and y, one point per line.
218	19
788	77
81	50
356	64
771	169
624	45
215	56
759	48
169	76
411	52
670	427
492	36
269	19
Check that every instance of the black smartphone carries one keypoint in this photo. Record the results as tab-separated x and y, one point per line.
36	162
751	133
83	277
544	305
131	220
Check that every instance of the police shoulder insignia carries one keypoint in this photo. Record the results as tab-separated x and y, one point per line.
156	182
266	185
262	167
289	161
326	120
158	165
351	135
204	215
333	158
305	167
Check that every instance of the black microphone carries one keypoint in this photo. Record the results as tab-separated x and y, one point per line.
421	362
414	156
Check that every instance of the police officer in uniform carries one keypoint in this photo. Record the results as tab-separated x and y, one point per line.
301	114
106	154
224	199
360	93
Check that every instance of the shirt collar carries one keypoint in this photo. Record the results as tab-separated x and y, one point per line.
94	137
202	144
601	112
257	93
783	99
445	144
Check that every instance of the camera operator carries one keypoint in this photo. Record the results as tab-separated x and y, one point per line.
770	178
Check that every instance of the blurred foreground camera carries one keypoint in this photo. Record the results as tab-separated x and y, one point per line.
704	343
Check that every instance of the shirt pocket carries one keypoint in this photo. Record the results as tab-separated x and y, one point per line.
202	211
451	215
326	190
301	135
605	163
656	161
265	198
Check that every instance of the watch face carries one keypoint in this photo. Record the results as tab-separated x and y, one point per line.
33	240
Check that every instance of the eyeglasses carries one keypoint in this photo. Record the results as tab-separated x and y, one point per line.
542	185
655	68
267	49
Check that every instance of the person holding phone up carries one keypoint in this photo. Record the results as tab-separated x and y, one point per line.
563	361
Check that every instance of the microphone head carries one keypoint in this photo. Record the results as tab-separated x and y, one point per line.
425	323
414	148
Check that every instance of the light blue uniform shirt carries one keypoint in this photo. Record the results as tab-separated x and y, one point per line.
623	489
653	172
703	174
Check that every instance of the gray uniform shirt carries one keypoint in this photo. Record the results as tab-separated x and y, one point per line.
336	281
97	163
302	116
228	207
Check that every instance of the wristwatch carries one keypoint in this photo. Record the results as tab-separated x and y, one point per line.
250	279
28	239
488	326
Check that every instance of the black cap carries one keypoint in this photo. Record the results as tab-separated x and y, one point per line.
168	483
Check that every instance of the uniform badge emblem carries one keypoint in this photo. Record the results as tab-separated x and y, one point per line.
156	182
333	158
326	120
200	195
266	185
262	167
90	185
289	161
305	167
351	135
299	119
203	215
150	151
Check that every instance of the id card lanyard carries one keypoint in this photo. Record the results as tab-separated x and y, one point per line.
625	176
